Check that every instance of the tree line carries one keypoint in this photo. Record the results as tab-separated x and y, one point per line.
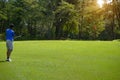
61	19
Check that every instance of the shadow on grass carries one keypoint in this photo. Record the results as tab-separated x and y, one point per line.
2	61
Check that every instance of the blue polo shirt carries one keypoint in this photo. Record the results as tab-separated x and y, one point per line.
10	34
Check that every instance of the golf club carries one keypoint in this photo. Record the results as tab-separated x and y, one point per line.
18	36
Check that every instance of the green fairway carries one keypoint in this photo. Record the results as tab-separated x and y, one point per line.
61	60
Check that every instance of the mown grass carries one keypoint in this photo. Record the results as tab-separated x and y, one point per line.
61	60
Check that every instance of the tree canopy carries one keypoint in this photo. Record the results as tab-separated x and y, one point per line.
61	19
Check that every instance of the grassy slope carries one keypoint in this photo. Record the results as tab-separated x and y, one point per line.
62	60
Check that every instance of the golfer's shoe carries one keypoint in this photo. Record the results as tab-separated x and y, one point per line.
9	60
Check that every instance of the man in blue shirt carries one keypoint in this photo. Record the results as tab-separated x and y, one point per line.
9	41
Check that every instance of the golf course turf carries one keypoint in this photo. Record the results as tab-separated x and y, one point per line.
61	60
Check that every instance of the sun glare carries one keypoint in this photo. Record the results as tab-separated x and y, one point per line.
100	2
109	1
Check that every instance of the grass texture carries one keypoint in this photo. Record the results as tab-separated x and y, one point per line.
61	60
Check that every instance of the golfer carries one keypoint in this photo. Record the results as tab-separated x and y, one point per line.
9	41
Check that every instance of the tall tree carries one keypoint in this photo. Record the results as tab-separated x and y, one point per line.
66	20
